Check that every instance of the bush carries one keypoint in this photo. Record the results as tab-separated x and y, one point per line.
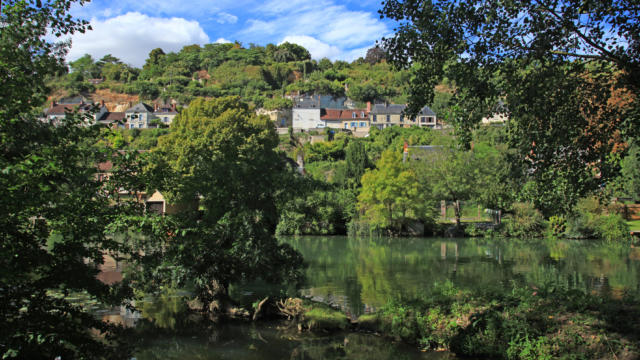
525	221
612	228
556	226
589	220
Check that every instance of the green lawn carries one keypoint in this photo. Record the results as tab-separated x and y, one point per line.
634	225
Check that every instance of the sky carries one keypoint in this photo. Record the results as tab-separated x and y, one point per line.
130	29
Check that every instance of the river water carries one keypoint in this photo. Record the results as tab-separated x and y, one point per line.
359	275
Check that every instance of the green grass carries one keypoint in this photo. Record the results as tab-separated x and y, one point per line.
321	317
634	225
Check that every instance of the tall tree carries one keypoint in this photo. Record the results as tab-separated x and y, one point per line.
221	153
557	65
392	196
54	212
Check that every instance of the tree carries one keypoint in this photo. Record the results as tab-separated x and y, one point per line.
357	162
631	173
453	176
86	67
53	211
392	195
375	55
557	66
221	153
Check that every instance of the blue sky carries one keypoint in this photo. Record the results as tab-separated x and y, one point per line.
129	29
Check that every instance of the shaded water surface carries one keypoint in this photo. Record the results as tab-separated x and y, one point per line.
270	341
361	274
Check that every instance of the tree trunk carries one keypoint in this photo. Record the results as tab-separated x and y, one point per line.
457	211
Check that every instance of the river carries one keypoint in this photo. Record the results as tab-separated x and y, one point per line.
359	275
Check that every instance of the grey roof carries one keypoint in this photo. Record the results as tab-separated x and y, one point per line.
319	101
427	111
391	109
139	107
72	100
397	109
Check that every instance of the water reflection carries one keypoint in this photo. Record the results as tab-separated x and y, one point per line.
238	341
360	274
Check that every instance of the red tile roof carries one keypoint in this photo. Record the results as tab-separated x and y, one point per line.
337	114
330	114
348	114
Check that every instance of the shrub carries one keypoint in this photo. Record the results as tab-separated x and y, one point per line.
525	221
612	228
556	226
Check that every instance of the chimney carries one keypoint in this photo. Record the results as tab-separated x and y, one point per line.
54	103
368	106
173	106
102	103
155	107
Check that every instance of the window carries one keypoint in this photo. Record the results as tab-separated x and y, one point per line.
423	119
166	119
353	115
354	124
363	124
362	114
346	125
401	118
388	118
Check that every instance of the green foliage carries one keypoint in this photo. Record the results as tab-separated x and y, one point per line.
590	219
278	104
631	173
612	228
557	225
524	221
322	212
220	152
568	88
357	162
54	211
319	317
392	196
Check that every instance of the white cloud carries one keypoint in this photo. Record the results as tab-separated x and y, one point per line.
317	48
223	18
328	27
222	41
132	36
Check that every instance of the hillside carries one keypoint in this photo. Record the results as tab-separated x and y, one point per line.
260	75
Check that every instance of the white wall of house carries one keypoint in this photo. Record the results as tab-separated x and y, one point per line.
307	119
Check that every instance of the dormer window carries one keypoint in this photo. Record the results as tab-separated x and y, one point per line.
353	115
362	114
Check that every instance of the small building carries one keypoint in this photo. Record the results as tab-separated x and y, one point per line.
57	111
306	112
165	113
387	115
140	116
356	120
114	119
281	117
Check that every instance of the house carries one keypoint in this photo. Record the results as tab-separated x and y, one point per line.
331	118
165	113
281	118
155	203
499	115
113	119
356	120
140	116
386	115
58	111
306	112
